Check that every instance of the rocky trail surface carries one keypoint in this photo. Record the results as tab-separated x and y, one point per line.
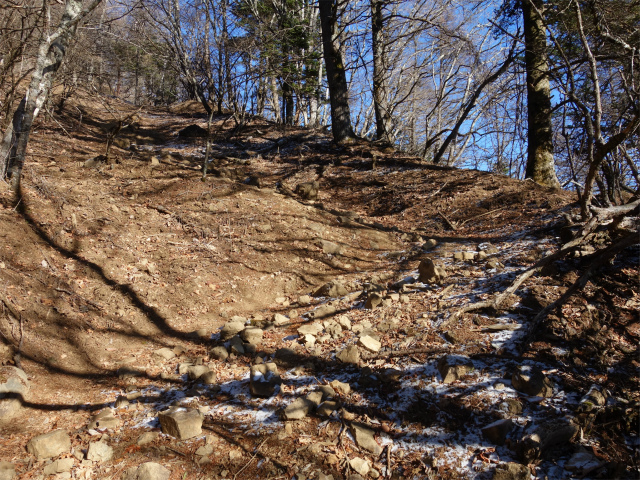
299	314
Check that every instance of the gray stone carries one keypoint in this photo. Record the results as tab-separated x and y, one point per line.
453	367
315	398
208	378
430	244
298	409
308	190
164	353
236	345
181	423
279	320
497	432
593	399
99	452
147	438
532	381
196	371
365	438
264	379
327	407
494	263
327	391
351	354
360	466
252	335
322	476
49	444
205	450
583	463
431	272
152	471
7	471
344	322
104	420
219	353
511	471
330	248
373	300
231	329
468	256
309	340
322	312
370	343
310	329
14	387
332	289
59	466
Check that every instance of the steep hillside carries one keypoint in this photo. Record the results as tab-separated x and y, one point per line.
124	281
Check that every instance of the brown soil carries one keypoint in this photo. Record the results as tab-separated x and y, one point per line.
105	264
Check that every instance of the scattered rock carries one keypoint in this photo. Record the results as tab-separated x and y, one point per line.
59	466
351	354
236	345
308	190
13	389
99	452
338	386
533	446
196	371
370	343
304	300
332	289
264	379
148	471
360	466
365	438
344	322
430	272
322	312
7	471
310	329
530	380
147	438
373	300
219	353
230	329
328	391
453	367
497	432
103	420
315	398
326	408
49	444
511	471
583	463
309	340
330	248
252	335
494	263
593	399
430	244
298	409
279	320
181	423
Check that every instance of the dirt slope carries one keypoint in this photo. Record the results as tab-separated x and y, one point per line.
104	262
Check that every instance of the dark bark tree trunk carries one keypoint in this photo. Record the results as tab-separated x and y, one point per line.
540	163
51	52
287	103
336	74
380	72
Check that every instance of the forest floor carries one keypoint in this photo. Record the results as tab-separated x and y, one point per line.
116	278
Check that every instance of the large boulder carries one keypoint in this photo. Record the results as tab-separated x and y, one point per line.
14	385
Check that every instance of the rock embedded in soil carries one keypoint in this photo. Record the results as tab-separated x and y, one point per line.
252	335
430	244
593	399
365	438
350	354
373	300
147	438
342	387
230	329
298	409
264	379
49	444
533	446
326	408
236	345
304	300
360	465
13	389
279	320
431	272
333	289
99	452
330	248
196	371
322	312
182	423
148	471
511	471
103	420
310	329
59	466
219	353
497	432
454	367
532	381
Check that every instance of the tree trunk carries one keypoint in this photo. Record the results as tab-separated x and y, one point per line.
540	164
380	71
51	52
336	74
287	103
